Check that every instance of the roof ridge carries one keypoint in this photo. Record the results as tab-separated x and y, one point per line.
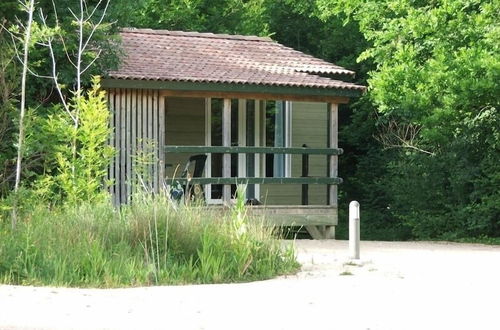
197	34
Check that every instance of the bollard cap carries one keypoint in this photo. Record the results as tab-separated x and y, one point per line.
354	209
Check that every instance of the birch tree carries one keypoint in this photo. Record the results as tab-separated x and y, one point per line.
29	7
85	19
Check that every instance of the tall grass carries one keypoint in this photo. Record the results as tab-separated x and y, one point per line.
151	242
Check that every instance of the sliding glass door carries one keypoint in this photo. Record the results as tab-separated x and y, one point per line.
246	126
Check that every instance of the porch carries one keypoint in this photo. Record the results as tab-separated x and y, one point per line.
247	141
319	220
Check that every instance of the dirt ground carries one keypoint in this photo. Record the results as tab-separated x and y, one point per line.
410	285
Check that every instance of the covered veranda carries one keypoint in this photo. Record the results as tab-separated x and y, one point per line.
251	116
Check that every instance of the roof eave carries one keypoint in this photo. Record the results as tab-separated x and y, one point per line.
272	91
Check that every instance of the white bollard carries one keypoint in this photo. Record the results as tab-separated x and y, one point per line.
354	228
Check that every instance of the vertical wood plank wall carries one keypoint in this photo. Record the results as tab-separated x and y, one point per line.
138	119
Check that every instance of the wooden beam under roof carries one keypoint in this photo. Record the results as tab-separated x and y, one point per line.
237	91
258	96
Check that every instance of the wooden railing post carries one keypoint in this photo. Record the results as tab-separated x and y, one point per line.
333	143
305	174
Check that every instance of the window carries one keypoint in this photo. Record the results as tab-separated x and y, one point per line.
245	131
278	134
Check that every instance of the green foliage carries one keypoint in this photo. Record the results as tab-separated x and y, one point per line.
300	24
216	16
62	28
41	95
74	158
8	85
151	242
431	60
455	201
431	66
437	72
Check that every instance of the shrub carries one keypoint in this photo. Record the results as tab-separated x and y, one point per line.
71	150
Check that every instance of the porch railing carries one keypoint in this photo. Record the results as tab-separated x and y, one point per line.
257	150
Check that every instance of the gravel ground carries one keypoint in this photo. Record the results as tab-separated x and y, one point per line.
396	285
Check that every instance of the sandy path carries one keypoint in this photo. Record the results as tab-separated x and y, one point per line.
398	286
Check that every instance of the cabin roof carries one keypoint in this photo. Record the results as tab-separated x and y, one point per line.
192	57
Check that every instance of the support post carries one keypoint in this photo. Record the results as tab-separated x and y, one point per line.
305	174
226	142
354	230
333	142
161	139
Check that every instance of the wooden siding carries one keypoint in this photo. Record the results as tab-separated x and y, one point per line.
138	118
309	126
185	125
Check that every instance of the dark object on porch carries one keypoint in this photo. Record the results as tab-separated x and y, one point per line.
199	166
178	190
253	201
195	190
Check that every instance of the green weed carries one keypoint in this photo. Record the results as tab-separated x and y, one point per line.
346	273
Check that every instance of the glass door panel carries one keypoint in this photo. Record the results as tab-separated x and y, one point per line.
216	106
234	142
251	135
245	128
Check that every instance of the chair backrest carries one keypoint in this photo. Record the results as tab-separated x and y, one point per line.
199	165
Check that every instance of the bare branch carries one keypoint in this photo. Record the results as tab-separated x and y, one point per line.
18	56
93	61
396	135
95	26
66	51
73	14
55	12
54	71
89	17
21	24
12	35
56	82
16	51
79	57
33	73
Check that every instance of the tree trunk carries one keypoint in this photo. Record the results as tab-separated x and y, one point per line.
20	143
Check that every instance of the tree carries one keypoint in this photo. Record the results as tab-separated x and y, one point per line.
29	8
436	91
54	25
216	16
83	21
82	128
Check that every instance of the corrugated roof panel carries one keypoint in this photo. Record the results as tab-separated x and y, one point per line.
206	57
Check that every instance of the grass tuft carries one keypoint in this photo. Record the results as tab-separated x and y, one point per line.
346	273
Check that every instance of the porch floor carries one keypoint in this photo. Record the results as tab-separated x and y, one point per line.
293	215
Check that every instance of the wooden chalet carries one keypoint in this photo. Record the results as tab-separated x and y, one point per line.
264	114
